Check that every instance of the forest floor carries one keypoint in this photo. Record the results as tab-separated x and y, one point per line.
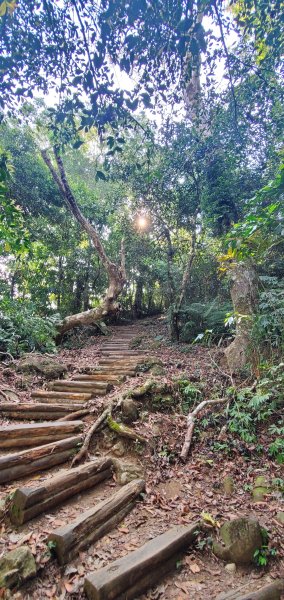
176	493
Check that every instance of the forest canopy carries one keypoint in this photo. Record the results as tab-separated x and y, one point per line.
141	165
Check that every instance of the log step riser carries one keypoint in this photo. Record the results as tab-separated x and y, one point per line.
104	387
112	380
29	435
30	502
96	522
59	395
36	412
20	464
82	388
133	574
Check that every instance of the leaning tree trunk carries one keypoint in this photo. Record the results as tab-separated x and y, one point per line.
116	273
244	298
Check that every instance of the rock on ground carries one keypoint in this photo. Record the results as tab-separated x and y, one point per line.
16	567
47	367
129	411
126	472
241	538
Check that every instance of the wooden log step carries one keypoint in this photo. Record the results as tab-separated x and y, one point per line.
115	347
116	344
87	386
30	434
124	351
110	362
36	412
133	574
28	502
117	357
83	397
109	378
21	464
93	524
107	360
119	371
115	364
100	385
69	388
64	402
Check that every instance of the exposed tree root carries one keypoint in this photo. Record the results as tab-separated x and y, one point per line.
6	397
191	418
84	450
105	419
76	415
124	431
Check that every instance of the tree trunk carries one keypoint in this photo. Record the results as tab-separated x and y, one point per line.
78	294
86	282
137	307
60	281
174	324
170	279
116	273
244	298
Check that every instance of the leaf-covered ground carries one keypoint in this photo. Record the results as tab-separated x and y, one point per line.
176	493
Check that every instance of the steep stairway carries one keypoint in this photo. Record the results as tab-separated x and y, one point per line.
41	446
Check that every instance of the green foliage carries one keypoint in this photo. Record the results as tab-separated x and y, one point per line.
190	394
268	327
262	226
249	408
167	454
263	554
278	483
13	235
23	330
162	402
201	318
276	449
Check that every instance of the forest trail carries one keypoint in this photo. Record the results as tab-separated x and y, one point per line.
40	446
105	534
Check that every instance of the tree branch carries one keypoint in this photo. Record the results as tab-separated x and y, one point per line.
228	62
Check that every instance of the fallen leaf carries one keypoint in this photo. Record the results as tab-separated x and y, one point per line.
123	529
68	586
208	519
194	568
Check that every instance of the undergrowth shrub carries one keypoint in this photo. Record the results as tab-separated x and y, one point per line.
268	327
200	318
23	330
251	407
190	394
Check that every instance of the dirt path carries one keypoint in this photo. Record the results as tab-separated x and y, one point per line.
175	494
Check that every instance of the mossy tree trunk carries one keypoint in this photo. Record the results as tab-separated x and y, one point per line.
244	298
